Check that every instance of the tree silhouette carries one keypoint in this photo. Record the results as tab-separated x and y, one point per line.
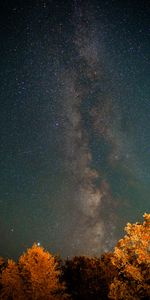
132	260
88	277
2	266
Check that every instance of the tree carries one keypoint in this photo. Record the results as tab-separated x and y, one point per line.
40	272
2	263
11	282
132	261
2	266
108	273
88	277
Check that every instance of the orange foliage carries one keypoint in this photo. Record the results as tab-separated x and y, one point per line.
1	261
41	275
132	260
2	264
122	275
12	284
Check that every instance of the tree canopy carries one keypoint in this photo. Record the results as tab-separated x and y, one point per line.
132	260
123	274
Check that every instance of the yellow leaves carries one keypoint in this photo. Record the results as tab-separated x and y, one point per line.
119	256
126	272
133	272
147	220
120	290
136	242
132	259
117	289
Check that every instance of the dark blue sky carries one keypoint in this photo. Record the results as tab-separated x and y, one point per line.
74	120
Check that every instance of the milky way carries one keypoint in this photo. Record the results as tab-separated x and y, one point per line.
74	113
94	230
85	84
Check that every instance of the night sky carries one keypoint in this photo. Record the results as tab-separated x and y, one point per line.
74	123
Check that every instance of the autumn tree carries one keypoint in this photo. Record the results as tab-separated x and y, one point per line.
108	273
132	261
11	282
40	272
2	263
2	266
88	277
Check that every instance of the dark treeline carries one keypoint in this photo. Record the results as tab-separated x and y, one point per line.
122	274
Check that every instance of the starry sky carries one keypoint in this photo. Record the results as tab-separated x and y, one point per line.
74	123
